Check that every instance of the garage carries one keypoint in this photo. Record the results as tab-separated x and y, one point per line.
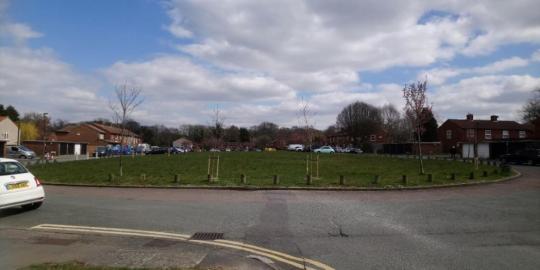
468	150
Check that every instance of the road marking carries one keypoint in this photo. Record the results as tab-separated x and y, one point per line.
296	262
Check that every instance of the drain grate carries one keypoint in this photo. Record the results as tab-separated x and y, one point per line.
206	236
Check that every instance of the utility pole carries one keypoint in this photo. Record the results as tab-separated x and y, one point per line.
44	132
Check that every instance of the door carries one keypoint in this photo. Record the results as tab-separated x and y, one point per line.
483	150
467	150
77	150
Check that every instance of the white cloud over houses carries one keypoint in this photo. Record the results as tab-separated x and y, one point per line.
257	58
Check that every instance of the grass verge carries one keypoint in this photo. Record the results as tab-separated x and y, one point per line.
260	167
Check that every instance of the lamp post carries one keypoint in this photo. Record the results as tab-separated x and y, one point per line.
44	132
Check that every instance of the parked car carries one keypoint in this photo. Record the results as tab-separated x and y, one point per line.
528	156
325	150
177	150
101	151
20	151
143	148
18	187
158	151
353	150
295	147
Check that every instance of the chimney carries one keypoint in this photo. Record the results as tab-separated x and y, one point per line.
470	116
494	118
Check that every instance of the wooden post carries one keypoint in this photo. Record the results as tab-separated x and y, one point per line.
276	179
404	179
217	168
143	177
307	164
209	160
376	179
243	179
342	180
430	178
317	165
453	176
210	178
177	178
111	177
485	174
471	175
308	180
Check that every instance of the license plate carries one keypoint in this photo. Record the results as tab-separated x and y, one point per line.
17	185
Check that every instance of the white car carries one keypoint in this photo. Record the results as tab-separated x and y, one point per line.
18	187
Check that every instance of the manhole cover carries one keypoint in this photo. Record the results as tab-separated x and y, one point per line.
207	236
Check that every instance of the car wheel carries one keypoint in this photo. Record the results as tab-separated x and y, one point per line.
22	157
32	206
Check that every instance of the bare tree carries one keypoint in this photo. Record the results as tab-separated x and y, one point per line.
127	99
217	125
359	120
416	106
305	118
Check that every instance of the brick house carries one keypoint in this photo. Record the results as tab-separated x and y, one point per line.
95	135
9	133
464	134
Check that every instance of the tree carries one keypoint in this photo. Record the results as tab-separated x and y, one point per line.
430	127
127	99
359	120
244	135
306	120
232	134
531	110
28	131
218	121
416	104
11	113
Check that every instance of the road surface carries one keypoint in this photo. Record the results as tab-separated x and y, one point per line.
495	226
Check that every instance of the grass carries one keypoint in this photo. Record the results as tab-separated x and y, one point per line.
259	167
82	266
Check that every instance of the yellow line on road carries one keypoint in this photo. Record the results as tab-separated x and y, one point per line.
272	254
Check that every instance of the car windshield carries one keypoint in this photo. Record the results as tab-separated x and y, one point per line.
9	168
24	148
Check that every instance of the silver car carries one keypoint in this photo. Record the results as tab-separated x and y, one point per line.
20	151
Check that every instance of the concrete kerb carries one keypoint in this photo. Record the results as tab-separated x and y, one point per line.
329	188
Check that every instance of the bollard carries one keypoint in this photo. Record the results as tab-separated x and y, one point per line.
485	174
376	179
404	179
471	175
342	180
177	179
210	179
276	179
243	179
111	177
453	176
430	178
308	179
143	177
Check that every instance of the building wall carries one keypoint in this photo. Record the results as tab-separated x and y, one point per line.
458	135
8	131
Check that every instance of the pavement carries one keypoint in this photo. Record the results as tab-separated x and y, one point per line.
494	226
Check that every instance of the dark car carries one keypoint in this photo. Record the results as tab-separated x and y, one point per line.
101	151
528	156
158	151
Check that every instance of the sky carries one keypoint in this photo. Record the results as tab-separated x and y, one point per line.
260	60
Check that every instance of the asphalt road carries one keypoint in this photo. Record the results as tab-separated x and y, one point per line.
494	226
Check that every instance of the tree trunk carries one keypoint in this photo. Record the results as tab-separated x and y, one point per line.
420	151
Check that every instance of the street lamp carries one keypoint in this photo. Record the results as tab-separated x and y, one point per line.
44	132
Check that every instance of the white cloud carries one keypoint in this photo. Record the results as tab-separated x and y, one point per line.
484	96
36	81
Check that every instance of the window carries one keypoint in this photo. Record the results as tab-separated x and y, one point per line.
101	136
522	134
505	134
372	138
470	133
5	135
449	134
7	168
487	134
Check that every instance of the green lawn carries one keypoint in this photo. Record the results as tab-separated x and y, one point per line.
259	167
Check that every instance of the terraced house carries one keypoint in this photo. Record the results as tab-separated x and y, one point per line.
490	138
96	135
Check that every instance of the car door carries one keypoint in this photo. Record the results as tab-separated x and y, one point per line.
13	152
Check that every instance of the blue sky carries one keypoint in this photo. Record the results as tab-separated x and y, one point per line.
262	57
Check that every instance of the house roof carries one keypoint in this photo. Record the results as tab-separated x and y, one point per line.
488	124
113	130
